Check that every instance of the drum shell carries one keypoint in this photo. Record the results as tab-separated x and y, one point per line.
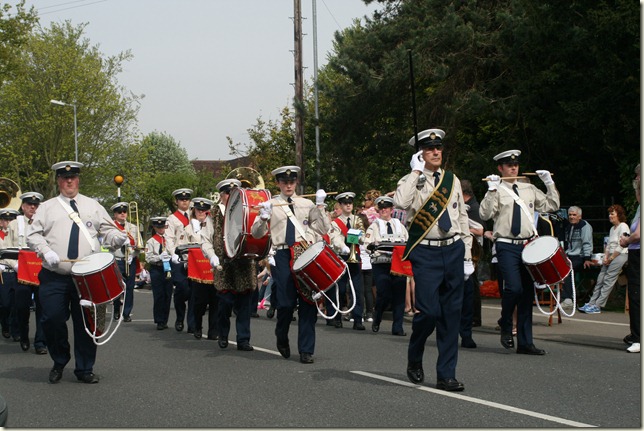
98	278
550	265
238	241
319	268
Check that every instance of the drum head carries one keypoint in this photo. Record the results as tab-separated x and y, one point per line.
234	217
92	263
540	250
308	256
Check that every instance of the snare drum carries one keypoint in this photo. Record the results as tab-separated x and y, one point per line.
98	279
318	269
545	260
241	211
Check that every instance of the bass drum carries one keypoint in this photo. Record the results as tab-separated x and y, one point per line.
241	211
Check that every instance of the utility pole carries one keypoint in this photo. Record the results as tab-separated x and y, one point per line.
298	101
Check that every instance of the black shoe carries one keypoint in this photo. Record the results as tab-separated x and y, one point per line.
24	345
127	319
16	339
245	347
88	378
375	327
399	333
468	343
270	313
215	337
191	330
284	349
5	334
530	349
55	375
117	316
506	340
41	350
161	326
254	315
197	334
178	326
306	358
330	322
223	342
337	323
451	385
415	372
627	339
358	326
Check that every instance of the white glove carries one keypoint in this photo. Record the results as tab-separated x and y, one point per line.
130	258
2	267
468	268
271	260
539	286
417	162
493	182
52	258
265	210
545	177
196	225
214	261
345	249
120	241
165	257
16	268
320	196
175	258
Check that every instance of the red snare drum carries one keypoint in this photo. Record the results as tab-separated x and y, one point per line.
545	260
29	266
98	278
241	211
318	268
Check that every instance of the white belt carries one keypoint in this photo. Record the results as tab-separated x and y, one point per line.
282	247
440	242
513	241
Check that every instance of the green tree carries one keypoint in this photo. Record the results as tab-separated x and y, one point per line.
14	32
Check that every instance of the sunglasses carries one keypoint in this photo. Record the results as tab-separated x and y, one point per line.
120	211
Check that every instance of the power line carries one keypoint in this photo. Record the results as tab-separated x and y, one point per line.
68	8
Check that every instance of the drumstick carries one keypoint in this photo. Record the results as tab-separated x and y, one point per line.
313	195
534	173
504	178
72	260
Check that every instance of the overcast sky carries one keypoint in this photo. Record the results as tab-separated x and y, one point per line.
208	68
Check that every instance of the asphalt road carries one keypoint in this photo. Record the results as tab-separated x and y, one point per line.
161	379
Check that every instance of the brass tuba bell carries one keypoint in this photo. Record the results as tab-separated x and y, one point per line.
9	194
249	177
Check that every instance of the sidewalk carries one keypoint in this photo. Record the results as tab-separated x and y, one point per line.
598	330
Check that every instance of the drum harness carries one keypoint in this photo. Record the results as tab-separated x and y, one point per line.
557	296
318	295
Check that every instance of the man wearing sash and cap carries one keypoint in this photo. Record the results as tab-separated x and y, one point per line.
66	229
235	279
439	249
390	288
175	235
22	298
292	230
204	295
156	254
8	278
127	265
344	227
511	204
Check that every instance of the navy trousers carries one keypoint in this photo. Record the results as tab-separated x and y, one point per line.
241	302
161	294
129	287
390	289
204	297
182	294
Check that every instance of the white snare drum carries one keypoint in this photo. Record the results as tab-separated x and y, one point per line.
241	211
545	260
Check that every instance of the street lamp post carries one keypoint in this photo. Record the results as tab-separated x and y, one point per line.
58	102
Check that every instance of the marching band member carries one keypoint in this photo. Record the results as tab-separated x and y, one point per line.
23	292
8	279
235	279
390	287
204	295
342	226
66	228
176	235
439	249
511	204
292	230
127	265
156	254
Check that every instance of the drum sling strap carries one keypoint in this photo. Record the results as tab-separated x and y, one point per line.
428	215
291	217
522	205
76	218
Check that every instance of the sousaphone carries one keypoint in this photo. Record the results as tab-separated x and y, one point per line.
9	194
249	177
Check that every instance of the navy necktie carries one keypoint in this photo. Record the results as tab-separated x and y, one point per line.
72	248
290	227
348	222
390	231
444	222
516	214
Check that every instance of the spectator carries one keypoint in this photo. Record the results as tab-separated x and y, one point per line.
579	248
633	274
